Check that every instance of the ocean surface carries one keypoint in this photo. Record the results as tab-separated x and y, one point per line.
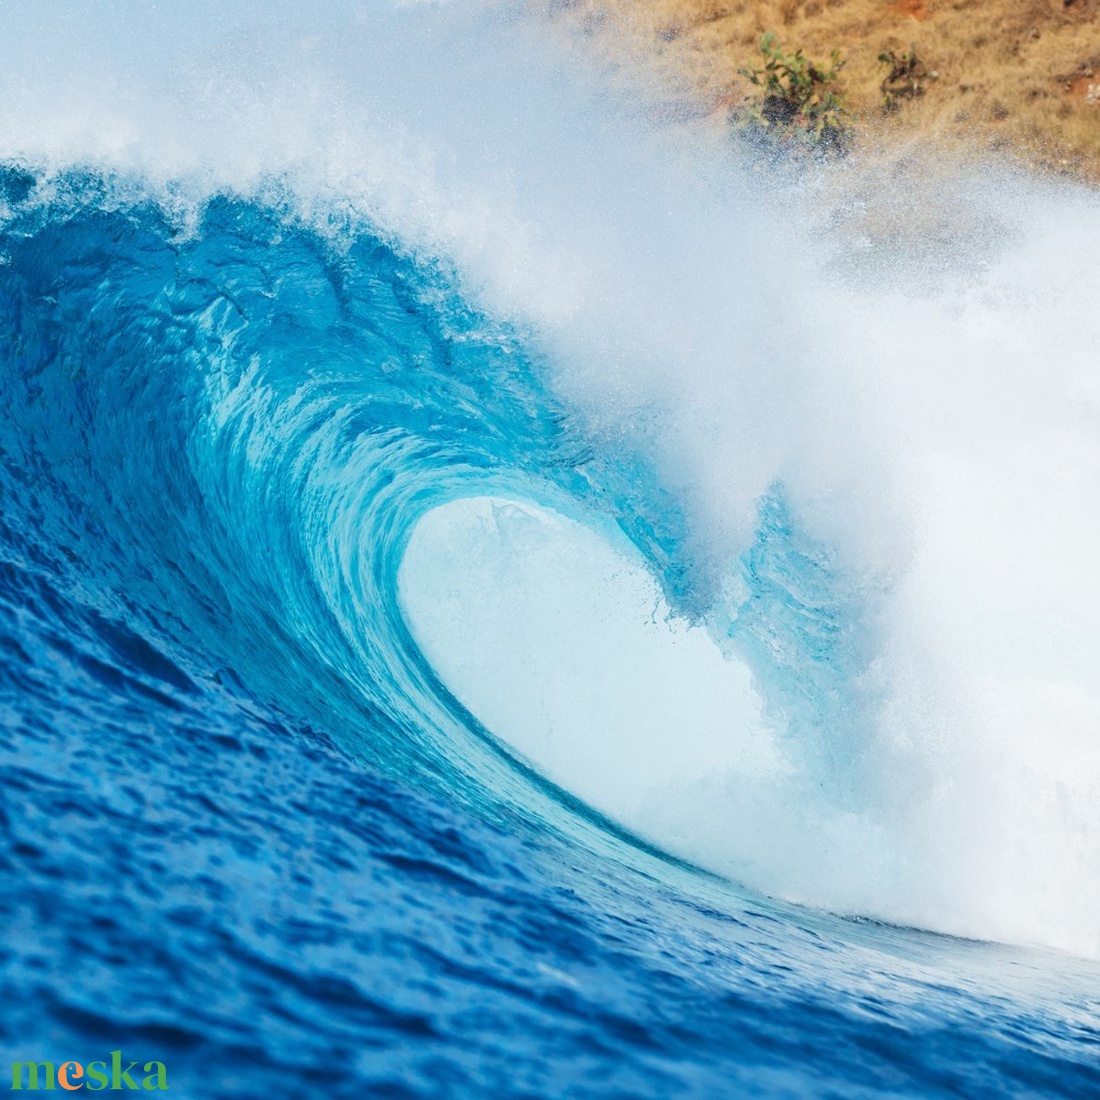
503	594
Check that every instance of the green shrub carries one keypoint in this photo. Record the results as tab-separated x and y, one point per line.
796	103
906	78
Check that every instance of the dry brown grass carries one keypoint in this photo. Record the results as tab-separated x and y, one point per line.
1013	75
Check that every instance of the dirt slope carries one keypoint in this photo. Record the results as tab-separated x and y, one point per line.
1019	76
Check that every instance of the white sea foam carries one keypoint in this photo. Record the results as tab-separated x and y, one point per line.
583	654
932	404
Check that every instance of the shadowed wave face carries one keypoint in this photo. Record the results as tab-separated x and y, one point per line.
449	649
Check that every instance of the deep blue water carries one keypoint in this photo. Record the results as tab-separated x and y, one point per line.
246	832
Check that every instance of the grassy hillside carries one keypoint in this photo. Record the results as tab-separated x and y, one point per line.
1019	76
